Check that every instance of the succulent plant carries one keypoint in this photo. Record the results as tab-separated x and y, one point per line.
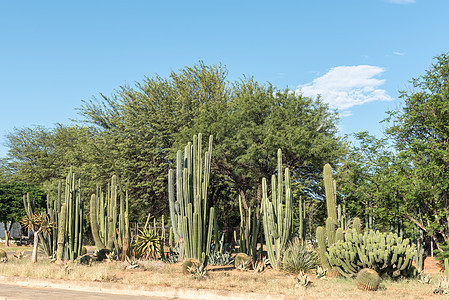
198	271
386	253
242	262
192	218
297	257
260	265
3	254
321	273
217	258
442	287
84	259
20	254
188	263
303	280
368	279
277	213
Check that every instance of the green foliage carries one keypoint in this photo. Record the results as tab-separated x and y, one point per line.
297	257
11	202
403	178
385	253
368	279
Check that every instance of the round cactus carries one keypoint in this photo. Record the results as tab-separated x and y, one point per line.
368	279
3	254
189	263
242	261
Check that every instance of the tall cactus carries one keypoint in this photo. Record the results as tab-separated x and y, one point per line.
110	229
277	213
331	195
249	231
70	244
192	218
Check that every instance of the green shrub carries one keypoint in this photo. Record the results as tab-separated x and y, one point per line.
297	258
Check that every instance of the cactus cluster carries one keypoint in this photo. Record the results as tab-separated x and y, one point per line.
70	226
249	231
383	252
277	214
110	228
192	218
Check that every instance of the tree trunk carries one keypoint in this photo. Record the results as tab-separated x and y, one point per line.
8	231
35	243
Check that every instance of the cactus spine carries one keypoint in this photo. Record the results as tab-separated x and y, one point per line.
192	219
277	214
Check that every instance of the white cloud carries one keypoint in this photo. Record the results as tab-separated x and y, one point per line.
346	86
401	1
399	53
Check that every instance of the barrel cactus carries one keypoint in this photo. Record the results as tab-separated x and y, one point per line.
242	261
3	256
189	263
368	279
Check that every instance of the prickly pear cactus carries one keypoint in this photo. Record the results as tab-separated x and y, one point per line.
368	280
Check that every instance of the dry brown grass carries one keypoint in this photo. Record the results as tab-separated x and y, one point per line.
269	282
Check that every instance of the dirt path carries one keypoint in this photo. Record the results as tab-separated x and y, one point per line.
14	292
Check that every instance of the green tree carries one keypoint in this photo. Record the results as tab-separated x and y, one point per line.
420	133
138	127
405	178
256	122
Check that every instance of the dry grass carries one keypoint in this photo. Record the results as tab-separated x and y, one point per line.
268	282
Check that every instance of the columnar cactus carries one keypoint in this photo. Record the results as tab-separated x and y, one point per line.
74	218
331	195
249	231
277	214
192	218
110	230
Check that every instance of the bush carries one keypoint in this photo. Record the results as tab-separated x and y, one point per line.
298	258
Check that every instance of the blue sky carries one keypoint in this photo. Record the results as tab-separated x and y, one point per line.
356	54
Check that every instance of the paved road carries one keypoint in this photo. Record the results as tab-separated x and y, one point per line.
14	292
